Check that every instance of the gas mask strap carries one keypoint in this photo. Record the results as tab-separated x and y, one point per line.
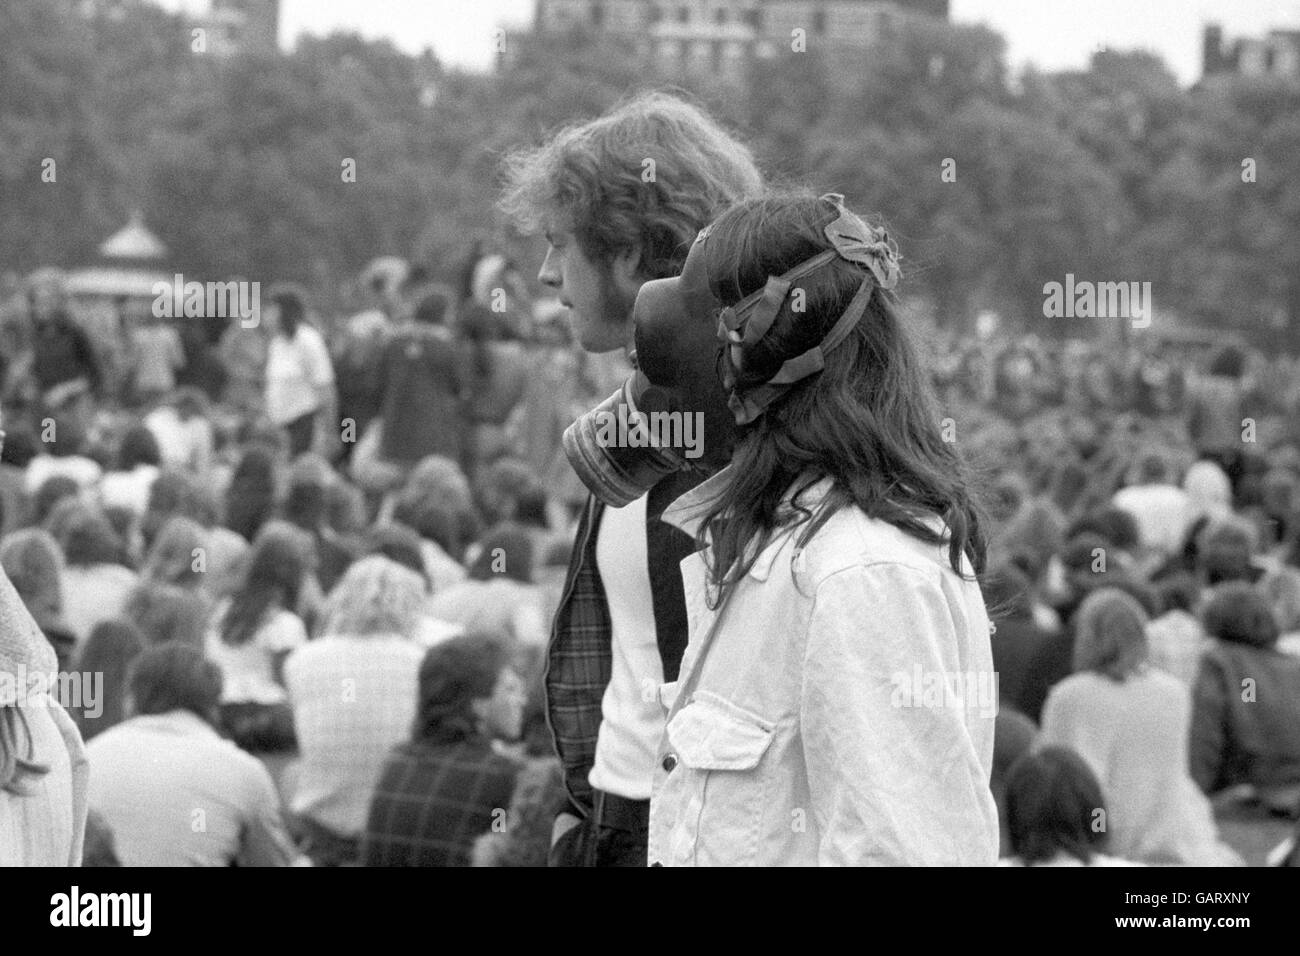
755	401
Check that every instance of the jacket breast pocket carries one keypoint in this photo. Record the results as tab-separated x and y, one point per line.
719	747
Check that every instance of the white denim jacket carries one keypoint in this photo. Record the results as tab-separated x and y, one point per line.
841	712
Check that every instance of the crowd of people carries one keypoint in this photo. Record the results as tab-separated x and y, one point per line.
339	600
307	573
1145	566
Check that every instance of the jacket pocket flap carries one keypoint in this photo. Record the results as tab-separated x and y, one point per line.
711	733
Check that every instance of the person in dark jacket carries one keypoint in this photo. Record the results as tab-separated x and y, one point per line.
421	381
62	353
1246	704
1216	408
447	786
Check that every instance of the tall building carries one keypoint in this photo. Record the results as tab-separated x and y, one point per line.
1276	55
251	26
719	36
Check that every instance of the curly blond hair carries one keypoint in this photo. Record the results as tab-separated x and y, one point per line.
376	596
594	178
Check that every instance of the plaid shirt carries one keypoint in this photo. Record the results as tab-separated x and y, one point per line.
580	655
434	800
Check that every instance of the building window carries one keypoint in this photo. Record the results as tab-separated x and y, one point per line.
656	14
597	14
819	21
754	17
720	17
683	14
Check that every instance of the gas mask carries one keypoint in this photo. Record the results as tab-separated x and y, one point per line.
690	357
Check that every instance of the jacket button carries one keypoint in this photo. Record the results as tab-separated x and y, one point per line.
669	763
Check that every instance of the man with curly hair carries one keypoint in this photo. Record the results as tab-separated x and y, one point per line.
620	200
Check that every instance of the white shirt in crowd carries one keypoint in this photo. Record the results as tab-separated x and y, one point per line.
174	793
1162	513
632	719
128	489
94	593
183	443
1133	734
42	468
499	604
295	369
353	700
248	669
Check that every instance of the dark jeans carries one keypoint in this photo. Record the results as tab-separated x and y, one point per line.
615	833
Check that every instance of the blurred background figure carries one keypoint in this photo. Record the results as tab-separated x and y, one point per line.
447	786
170	790
1130	723
1056	813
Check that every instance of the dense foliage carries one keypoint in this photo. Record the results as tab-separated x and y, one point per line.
1112	174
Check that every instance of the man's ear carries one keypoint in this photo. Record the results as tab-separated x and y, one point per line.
626	270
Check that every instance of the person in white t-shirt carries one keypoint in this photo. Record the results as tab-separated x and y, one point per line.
150	773
1161	509
299	375
183	431
253	632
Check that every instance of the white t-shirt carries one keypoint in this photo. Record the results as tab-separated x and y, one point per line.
128	489
149	774
295	369
1162	513
40	469
247	670
632	717
183	443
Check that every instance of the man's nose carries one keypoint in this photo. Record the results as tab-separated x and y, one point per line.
549	273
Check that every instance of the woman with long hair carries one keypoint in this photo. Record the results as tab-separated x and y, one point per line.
836	700
250	496
300	395
252	633
109	650
1132	723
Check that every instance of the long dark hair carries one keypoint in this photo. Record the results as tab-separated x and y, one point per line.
868	420
274	578
453	675
250	497
109	650
1053	800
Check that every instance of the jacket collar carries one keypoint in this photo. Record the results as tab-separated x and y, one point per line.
688	511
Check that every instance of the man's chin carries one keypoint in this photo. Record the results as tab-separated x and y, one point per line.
600	340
